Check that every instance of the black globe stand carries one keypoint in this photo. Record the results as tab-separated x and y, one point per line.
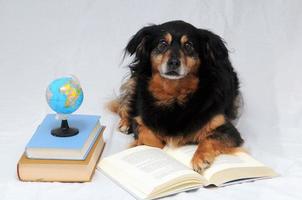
64	130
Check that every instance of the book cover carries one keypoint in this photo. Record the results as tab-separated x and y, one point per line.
44	145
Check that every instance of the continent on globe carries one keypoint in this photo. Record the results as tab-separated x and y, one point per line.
72	90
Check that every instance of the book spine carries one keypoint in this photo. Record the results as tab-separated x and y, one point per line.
18	172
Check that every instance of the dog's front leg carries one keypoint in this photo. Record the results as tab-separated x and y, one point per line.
146	136
224	140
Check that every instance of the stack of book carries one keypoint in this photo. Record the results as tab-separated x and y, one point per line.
63	159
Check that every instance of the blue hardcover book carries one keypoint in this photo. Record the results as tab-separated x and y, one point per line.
43	145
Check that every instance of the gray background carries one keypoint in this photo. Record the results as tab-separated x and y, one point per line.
43	40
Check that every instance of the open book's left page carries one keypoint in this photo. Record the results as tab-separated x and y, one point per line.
146	170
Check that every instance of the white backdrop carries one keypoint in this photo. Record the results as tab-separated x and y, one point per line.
42	40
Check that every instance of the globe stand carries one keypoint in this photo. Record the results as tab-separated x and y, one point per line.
64	130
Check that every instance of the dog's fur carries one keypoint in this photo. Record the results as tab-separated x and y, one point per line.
182	90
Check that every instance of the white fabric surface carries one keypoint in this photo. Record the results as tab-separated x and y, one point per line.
41	40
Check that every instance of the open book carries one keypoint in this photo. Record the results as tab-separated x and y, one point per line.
148	172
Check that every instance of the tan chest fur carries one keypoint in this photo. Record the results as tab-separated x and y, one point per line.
167	91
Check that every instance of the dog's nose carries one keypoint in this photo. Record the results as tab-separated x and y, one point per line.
173	63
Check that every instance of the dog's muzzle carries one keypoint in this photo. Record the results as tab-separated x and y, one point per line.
173	69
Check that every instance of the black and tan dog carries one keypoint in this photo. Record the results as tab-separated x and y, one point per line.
182	90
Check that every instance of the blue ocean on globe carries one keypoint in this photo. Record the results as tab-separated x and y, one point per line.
64	95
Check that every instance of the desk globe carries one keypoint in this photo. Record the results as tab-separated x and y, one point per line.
64	95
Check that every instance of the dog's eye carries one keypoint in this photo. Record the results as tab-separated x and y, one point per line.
162	46
188	46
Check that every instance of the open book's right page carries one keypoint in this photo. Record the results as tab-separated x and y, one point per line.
226	168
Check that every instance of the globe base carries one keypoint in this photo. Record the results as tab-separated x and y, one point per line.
64	130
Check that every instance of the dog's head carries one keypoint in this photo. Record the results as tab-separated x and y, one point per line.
175	49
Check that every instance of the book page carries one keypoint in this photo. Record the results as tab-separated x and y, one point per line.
185	153
238	160
182	154
153	162
228	161
146	167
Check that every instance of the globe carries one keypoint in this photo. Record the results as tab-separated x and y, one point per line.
64	95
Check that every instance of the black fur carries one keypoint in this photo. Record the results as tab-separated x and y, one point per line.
227	132
217	90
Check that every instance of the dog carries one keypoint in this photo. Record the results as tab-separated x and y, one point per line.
182	90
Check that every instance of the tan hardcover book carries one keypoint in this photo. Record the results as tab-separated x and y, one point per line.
61	170
148	172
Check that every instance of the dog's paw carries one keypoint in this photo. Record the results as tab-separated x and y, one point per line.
200	162
124	129
133	144
124	126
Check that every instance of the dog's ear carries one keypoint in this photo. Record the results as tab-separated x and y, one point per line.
214	46
137	44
